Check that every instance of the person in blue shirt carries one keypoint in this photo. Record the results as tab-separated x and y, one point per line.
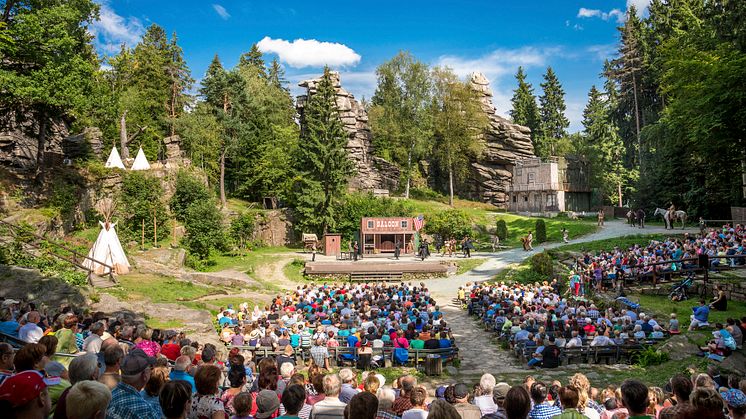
700	315
8	325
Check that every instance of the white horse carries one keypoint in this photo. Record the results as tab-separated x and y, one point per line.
678	215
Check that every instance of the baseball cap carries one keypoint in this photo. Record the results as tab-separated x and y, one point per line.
734	398
136	362
460	390
500	390
440	392
54	369
21	388
267	404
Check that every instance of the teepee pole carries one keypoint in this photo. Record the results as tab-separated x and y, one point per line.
142	240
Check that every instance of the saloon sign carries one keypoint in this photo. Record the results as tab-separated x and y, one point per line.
388	225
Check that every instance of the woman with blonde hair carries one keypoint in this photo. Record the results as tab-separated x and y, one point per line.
586	405
147	344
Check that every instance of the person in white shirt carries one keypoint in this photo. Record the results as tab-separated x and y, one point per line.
31	332
331	407
417	397
485	402
92	344
575	341
602	340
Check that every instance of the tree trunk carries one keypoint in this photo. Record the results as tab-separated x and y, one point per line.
41	139
124	151
619	192
222	179
173	108
409	172
450	184
155	231
637	119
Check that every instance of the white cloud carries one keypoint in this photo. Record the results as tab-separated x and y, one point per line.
499	62
220	10
595	13
602	51
640	5
111	30
310	52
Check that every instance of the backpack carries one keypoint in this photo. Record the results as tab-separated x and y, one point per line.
401	356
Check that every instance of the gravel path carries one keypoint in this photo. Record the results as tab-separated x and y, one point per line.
477	353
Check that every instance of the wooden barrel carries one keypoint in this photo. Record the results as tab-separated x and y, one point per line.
433	365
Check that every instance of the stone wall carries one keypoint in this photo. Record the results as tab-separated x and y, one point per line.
505	142
372	172
19	141
275	228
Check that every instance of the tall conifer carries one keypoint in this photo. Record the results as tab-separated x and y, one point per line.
525	111
554	123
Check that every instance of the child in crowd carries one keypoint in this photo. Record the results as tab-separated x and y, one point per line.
673	324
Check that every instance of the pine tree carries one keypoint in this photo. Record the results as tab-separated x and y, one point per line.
276	75
552	111
525	111
323	160
253	60
180	81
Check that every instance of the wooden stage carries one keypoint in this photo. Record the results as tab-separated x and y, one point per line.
378	269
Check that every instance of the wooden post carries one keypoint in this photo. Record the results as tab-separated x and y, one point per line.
142	239
155	230
173	234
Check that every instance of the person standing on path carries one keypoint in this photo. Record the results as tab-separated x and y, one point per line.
355	249
529	241
601	217
397	250
565	235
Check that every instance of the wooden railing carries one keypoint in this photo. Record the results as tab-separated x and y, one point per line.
78	259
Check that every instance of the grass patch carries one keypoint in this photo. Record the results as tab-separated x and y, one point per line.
521	273
623	242
465	265
294	270
213	306
159	289
247	261
164	324
662	306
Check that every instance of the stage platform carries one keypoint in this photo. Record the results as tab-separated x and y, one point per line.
341	268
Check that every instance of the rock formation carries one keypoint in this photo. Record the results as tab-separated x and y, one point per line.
372	172
505	142
19	141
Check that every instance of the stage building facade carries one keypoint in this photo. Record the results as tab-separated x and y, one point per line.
380	234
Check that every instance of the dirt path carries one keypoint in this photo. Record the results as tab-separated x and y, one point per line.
274	273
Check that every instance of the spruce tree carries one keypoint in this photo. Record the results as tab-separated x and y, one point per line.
323	160
525	111
553	121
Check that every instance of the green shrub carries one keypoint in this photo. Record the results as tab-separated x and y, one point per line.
649	357
64	198
541	231
189	189
502	229
242	229
449	223
141	199
204	229
542	264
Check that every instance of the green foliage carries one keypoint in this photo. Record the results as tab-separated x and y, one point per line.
64	198
453	223
554	123
141	199
542	264
323	160
502	229
524	110
353	207
399	116
12	254
649	357
189	190
200	134
458	118
294	270
242	229
541	231
204	229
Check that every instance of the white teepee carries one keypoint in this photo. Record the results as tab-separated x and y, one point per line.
141	163
107	249
114	160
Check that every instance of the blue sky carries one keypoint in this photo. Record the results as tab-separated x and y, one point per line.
494	37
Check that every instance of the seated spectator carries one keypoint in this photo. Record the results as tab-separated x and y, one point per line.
206	403
293	400
348	389
386	399
417	397
517	403
673	324
126	399
700	315
541	408
175	399
465	409
179	372
242	405
7	354
330	407
720	302
363	405
24	395
736	403
87	400
267	404
484	402
569	397
31	332
635	398
8	324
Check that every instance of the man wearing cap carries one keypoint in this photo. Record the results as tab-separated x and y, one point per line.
126	399
498	396
26	394
736	401
267	404
465	409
